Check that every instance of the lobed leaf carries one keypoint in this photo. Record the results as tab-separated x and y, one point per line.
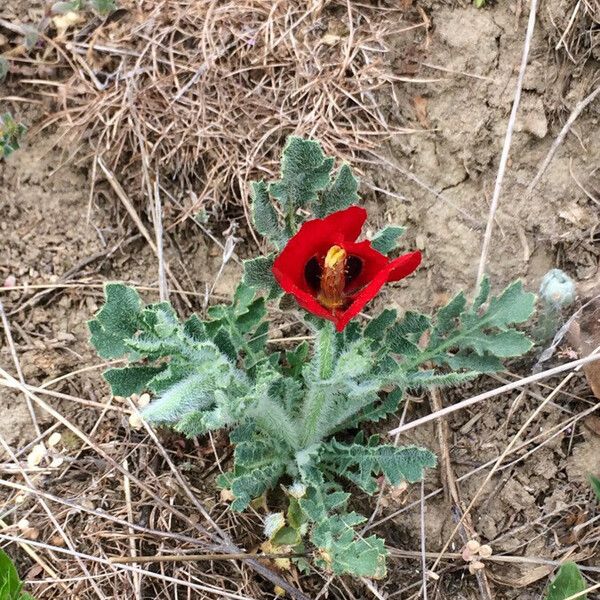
341	194
385	240
116	322
304	172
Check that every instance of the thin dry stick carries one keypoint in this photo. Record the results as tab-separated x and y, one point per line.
499	558
80	508
118	189
15	357
501	458
552	432
451	489
53	519
180	479
560	137
495	392
158	230
507	142
255	565
35	556
137	581
162	558
104	561
584	593
423	542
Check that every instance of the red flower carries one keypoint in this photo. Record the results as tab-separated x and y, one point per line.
331	274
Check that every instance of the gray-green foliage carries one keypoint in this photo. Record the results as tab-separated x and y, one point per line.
567	583
10	583
290	412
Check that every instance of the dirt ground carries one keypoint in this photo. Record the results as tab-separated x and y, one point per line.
68	237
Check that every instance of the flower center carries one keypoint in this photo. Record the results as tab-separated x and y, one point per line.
333	278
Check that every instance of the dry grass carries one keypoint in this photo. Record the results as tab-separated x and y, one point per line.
178	86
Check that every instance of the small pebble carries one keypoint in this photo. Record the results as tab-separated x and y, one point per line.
36	455
135	421
54	439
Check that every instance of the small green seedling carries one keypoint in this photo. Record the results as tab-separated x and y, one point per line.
568	582
11	134
10	584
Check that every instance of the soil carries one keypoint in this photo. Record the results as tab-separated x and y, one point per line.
56	231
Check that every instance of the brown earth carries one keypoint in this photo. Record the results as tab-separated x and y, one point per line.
53	233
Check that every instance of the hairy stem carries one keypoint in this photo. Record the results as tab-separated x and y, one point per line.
316	400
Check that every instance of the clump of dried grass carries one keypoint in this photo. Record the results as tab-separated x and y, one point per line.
206	92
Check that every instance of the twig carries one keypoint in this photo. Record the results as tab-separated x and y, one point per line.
451	489
499	558
584	593
136	219
507	142
160	558
15	357
137	582
53	519
560	137
510	446
254	564
104	561
423	541
34	555
553	431
158	230
495	392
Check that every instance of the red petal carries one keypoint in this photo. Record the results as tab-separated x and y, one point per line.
361	299
372	262
394	270
304	299
404	265
315	237
348	222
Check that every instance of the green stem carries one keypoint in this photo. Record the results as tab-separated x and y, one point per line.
316	400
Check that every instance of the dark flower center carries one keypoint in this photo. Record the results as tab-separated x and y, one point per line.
313	271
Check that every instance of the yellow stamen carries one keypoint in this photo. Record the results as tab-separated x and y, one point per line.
335	255
333	279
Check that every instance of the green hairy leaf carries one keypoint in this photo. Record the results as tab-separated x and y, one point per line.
117	321
264	215
362	463
341	194
466	337
567	583
258	273
385	240
304	172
